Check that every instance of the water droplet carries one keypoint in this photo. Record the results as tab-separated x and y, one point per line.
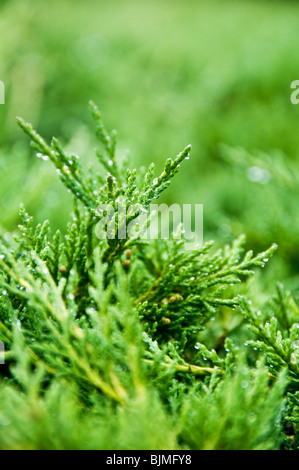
197	346
44	157
66	170
258	175
92	311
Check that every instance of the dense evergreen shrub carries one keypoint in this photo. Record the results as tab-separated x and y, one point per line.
133	344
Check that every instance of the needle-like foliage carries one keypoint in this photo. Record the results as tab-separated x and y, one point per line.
105	337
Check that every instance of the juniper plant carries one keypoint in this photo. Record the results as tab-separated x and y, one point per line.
105	338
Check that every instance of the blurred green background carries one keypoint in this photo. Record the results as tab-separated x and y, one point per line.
215	74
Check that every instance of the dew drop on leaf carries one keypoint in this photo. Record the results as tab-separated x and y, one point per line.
244	384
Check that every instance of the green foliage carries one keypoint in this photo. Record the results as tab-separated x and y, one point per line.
244	411
167	74
109	342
